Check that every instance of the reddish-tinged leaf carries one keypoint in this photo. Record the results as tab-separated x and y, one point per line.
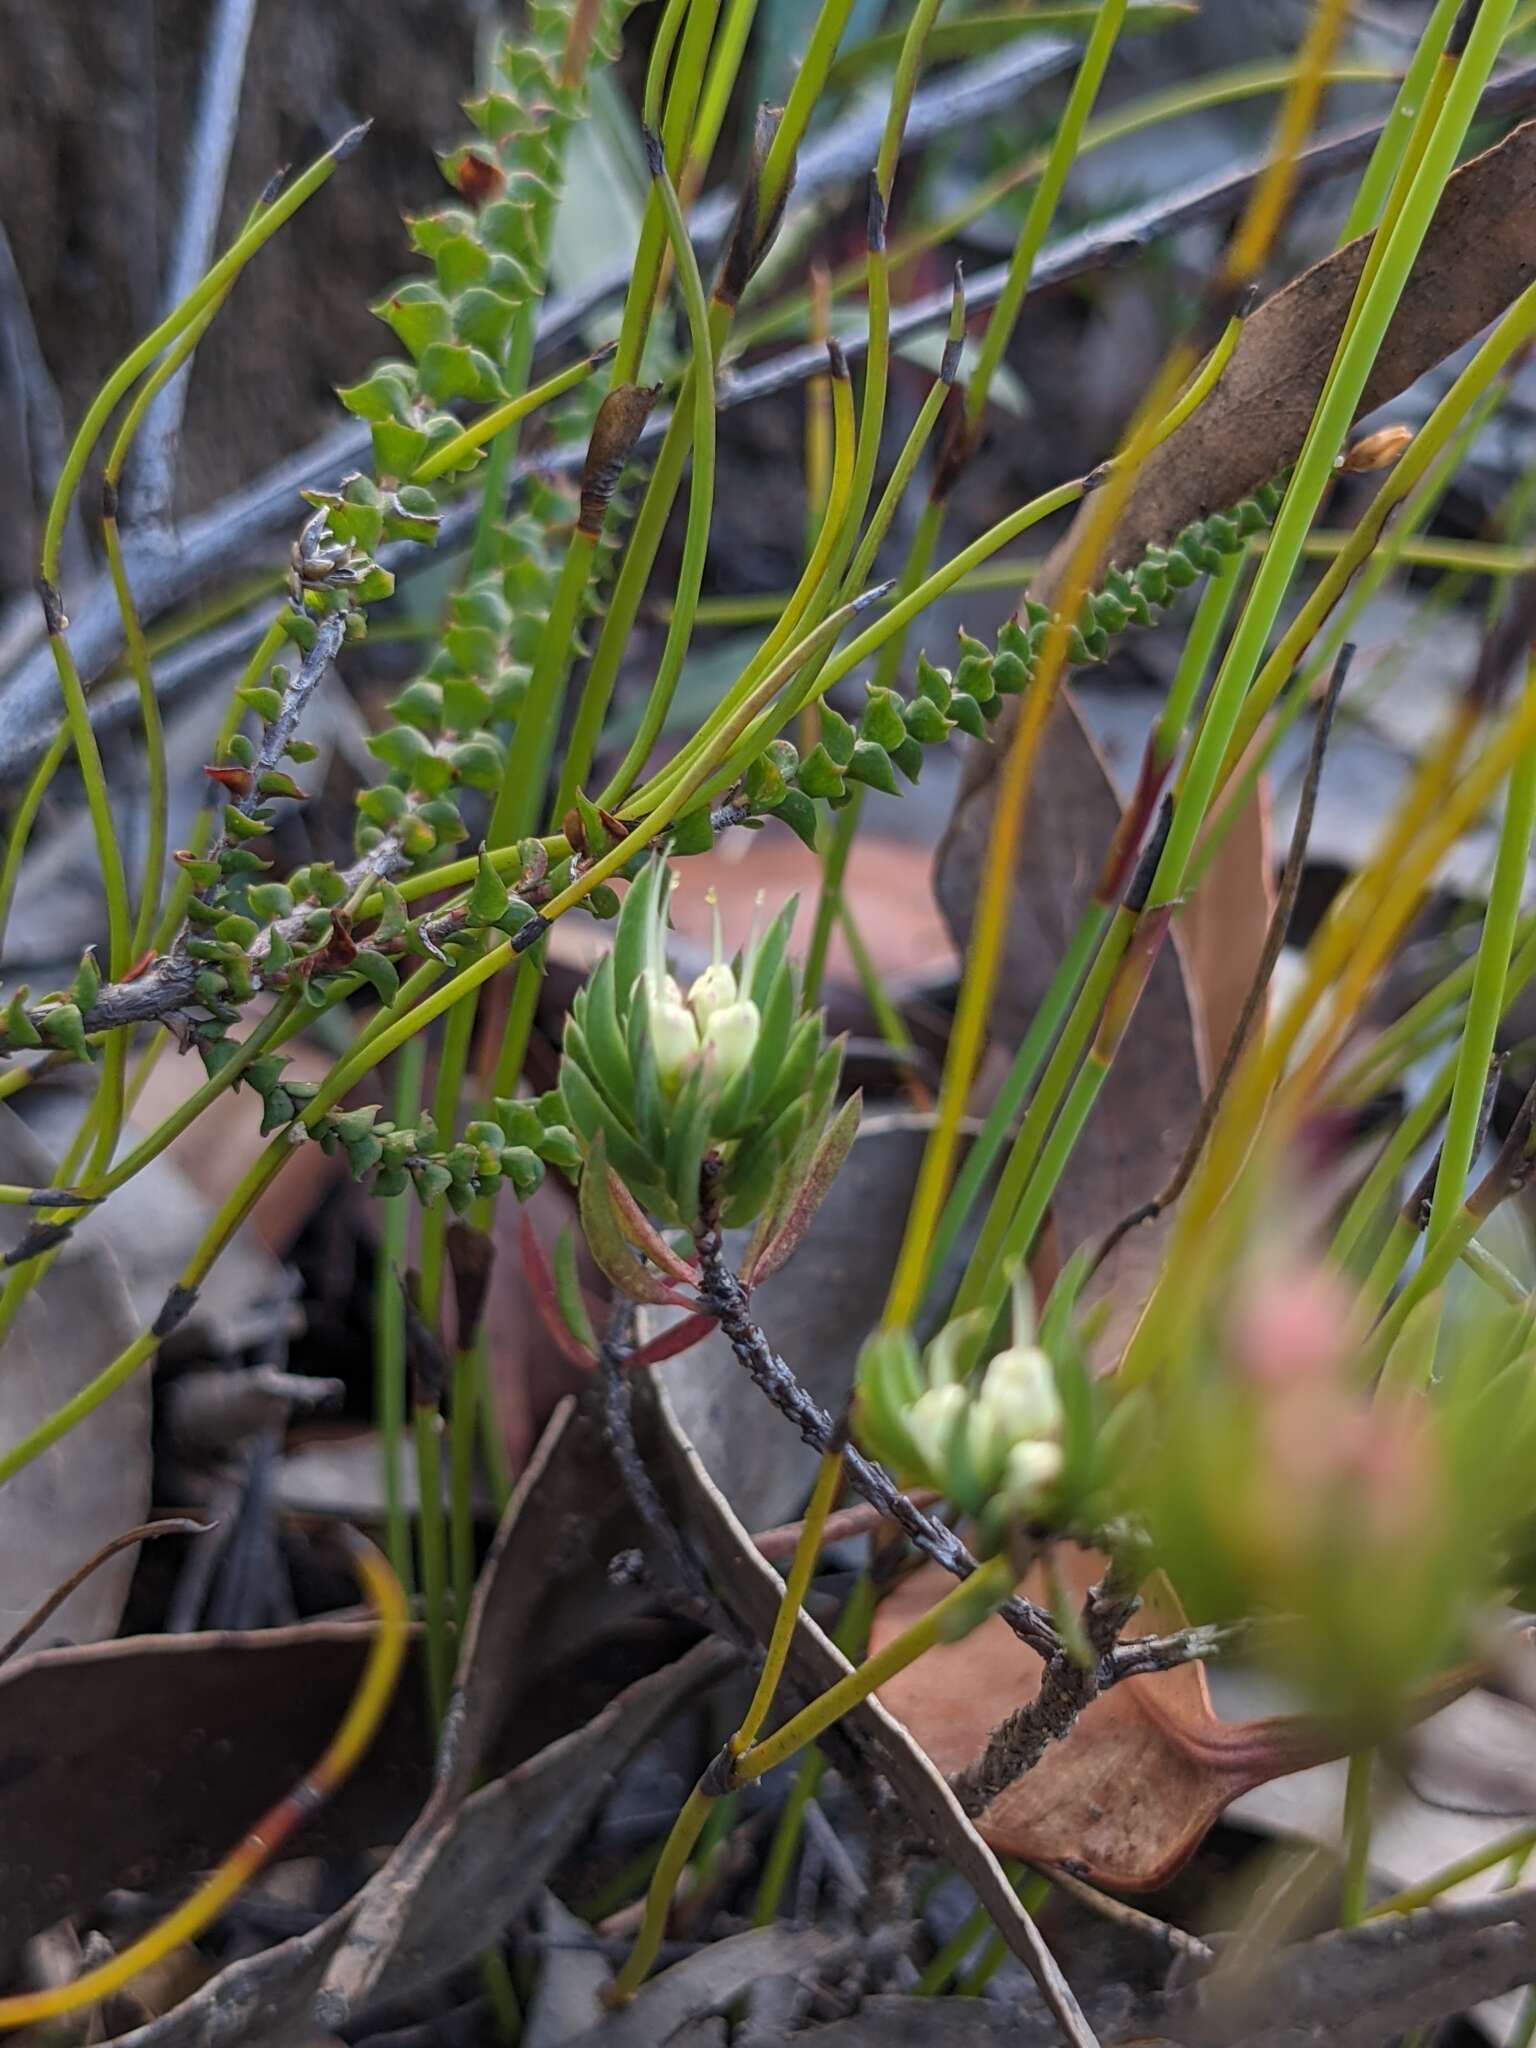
644	1235
681	1336
826	1164
236	780
606	1240
478	179
546	1300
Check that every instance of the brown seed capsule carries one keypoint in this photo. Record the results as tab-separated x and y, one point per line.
478	179
1376	451
620	418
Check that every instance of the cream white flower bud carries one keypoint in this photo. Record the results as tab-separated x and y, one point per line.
714	989
1018	1391
675	1038
1032	1469
930	1424
730	1039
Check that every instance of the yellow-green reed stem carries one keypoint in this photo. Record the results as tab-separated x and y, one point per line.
800	607
818	415
963	1608
205	292
837	846
463	1413
359	1725
417	1005
668	29
952	1617
25	816
988	1289
920	553
1473	1864
133	630
1065	144
984	953
1378	1185
432	1555
267	1032
1239	783
829	1479
804	97
1425	1024
701	495
1354	1890
852	1637
389	1402
639	559
509	414
1376	180
1325	436
1215	89
724	66
1344	959
97	802
901	613
1267	208
1069	1007
154	746
906	463
676	127
263	654
988	930
1486	1002
650	522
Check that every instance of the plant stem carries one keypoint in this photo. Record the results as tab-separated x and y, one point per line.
1357	1838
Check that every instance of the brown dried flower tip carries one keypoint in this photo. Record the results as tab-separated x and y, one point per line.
1376	451
478	179
620	418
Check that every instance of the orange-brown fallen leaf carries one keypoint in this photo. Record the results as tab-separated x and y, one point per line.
1131	1792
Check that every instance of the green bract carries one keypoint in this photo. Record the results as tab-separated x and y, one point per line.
729	1072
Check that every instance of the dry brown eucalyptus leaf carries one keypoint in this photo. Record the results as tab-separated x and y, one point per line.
1129	1794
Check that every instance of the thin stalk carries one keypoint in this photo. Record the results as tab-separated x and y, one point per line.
829	1479
1376	179
1486	1002
1473	1864
209	289
952	1617
432	1555
389	1400
1065	145
1353	1897
1067	996
700	509
463	1415
510	413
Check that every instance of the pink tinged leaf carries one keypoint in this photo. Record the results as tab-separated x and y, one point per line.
681	1336
643	1234
546	1299
606	1240
824	1168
